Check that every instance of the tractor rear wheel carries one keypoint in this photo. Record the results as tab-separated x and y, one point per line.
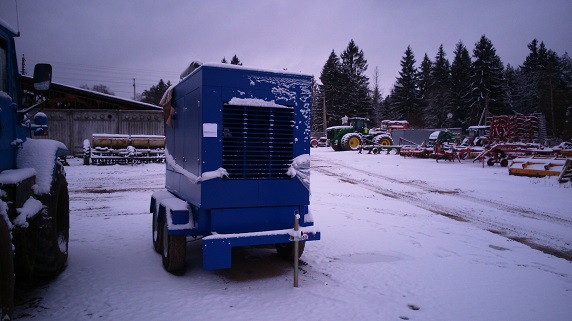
174	250
6	272
351	141
286	250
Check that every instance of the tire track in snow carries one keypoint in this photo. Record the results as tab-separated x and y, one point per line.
413	191
424	186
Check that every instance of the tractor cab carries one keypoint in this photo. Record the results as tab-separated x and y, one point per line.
359	124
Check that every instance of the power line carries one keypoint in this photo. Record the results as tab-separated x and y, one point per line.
118	79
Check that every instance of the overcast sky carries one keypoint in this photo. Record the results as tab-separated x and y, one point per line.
111	42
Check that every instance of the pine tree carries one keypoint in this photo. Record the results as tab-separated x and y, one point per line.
438	93
377	99
332	89
461	86
487	82
405	101
527	85
424	81
566	116
224	60
511	92
554	92
389	113
317	109
424	76
235	61
154	94
353	66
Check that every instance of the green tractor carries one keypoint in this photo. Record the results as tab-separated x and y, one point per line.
352	136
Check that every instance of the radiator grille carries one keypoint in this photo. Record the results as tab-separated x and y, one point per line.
257	141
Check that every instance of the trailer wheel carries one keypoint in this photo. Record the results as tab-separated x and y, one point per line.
157	233
504	162
490	161
6	272
52	243
174	250
286	250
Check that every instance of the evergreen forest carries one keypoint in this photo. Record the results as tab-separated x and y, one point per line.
439	93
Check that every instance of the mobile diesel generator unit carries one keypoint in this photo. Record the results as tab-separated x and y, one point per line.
238	165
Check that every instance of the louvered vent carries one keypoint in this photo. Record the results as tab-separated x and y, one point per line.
257	141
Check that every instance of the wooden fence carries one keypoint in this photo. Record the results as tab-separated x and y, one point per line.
73	126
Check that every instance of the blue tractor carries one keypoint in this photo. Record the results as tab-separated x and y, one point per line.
237	165
34	202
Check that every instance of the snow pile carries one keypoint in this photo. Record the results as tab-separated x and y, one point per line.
40	154
255	103
30	208
219	173
4	213
285	90
15	176
172	203
300	168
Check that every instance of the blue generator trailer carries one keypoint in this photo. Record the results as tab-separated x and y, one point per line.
237	165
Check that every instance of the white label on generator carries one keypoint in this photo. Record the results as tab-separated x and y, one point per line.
210	130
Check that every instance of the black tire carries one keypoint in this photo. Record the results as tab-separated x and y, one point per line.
504	162
351	141
286	250
157	234
53	237
6	272
490	161
174	250
383	140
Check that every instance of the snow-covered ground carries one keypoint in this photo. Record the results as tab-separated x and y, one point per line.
402	239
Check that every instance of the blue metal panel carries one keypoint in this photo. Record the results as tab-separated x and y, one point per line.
217	252
7	130
255	144
253	219
223	193
9	101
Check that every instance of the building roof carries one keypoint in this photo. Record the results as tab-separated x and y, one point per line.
62	96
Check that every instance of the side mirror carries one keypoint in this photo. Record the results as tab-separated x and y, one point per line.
42	77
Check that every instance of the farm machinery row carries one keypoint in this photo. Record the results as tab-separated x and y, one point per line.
110	149
353	134
514	141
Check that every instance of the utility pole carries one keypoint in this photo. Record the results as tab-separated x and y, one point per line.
134	97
